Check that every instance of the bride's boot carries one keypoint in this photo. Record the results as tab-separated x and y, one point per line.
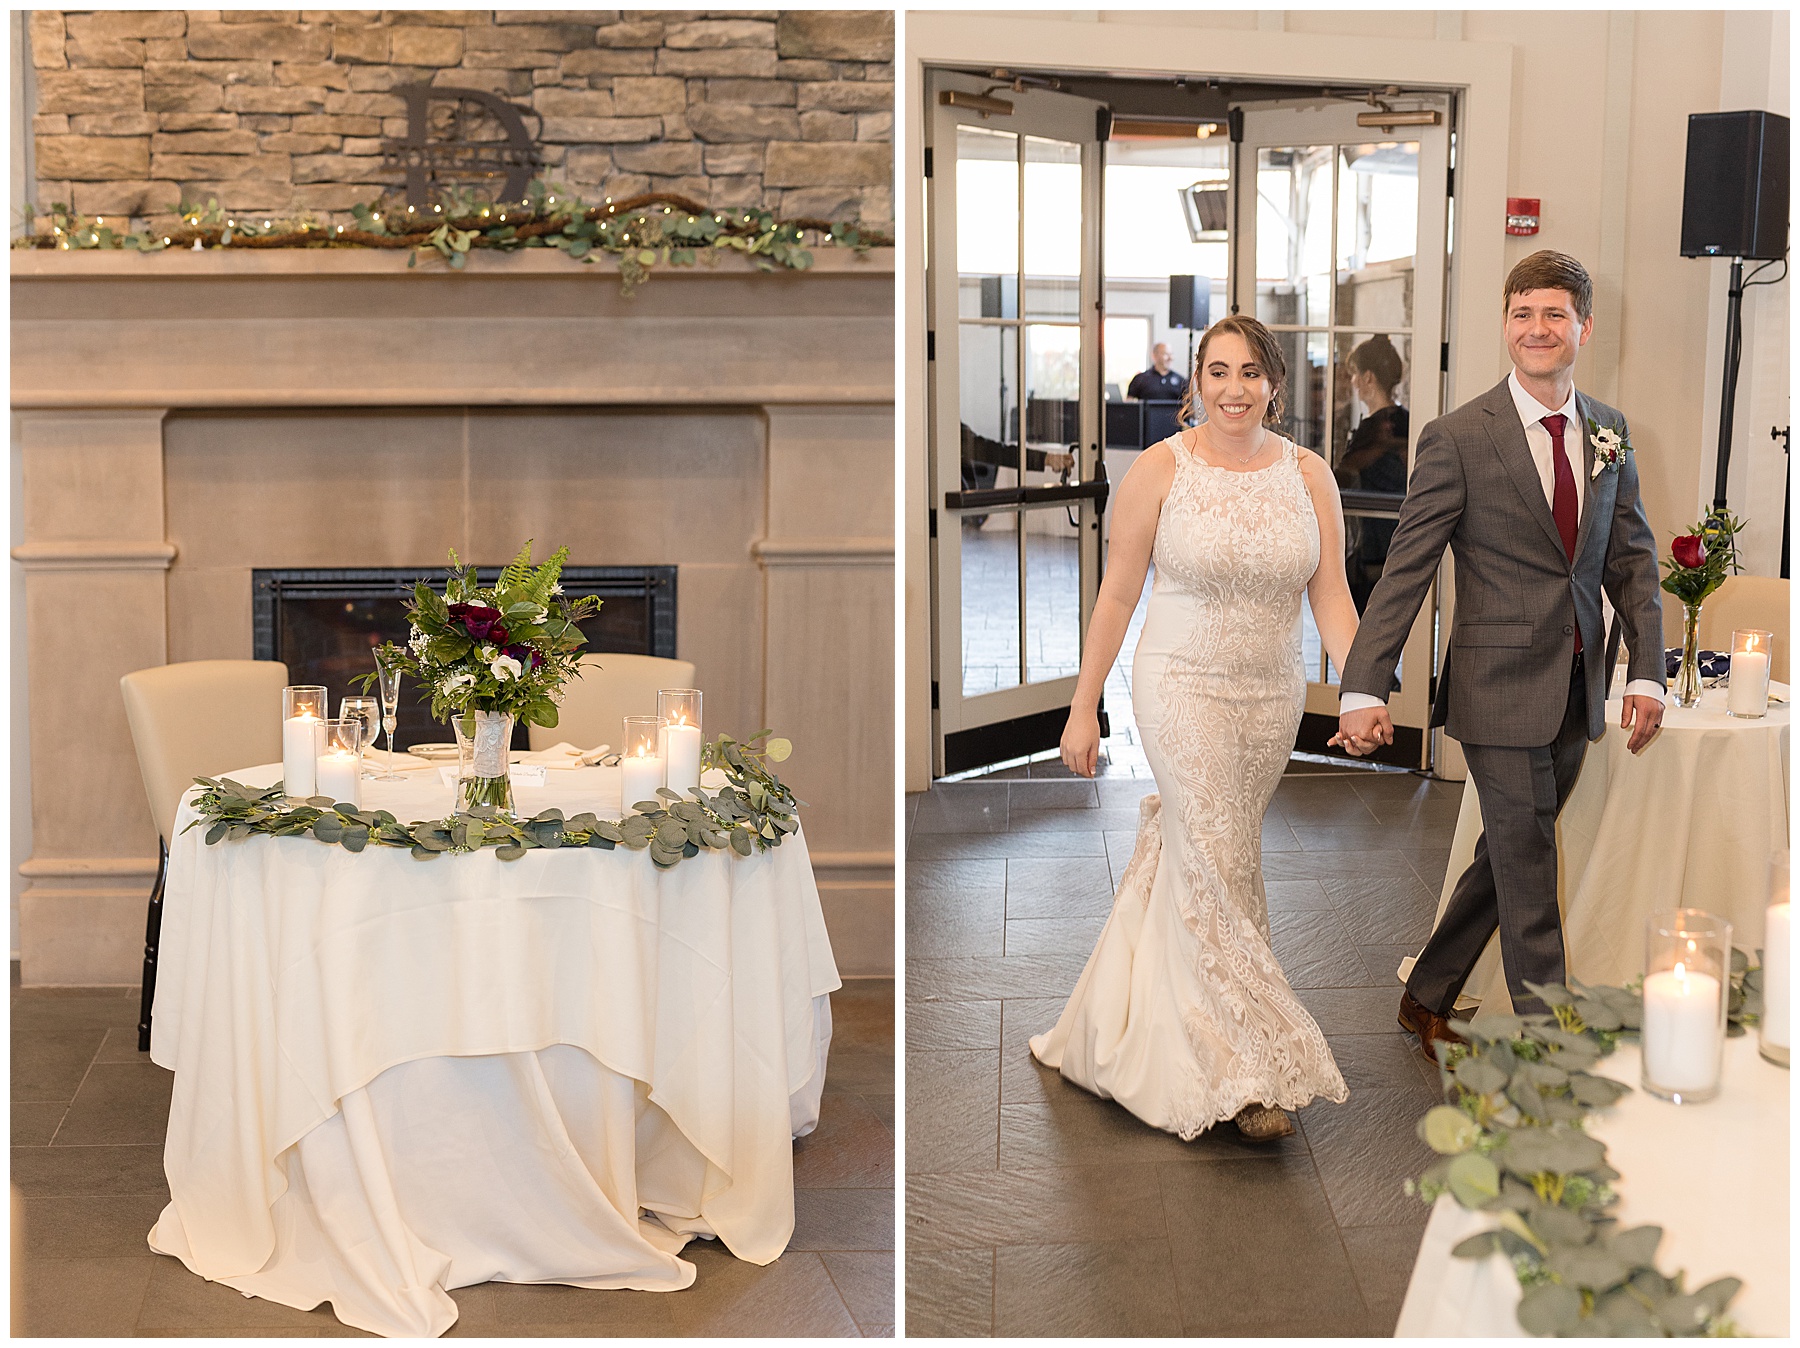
1260	1123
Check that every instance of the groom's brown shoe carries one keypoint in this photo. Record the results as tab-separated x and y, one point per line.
1431	1028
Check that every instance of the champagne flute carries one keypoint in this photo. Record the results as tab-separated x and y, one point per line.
387	677
368	711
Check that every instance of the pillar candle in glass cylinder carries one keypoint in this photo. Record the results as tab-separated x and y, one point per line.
1748	693
339	773
680	711
304	708
1687	971
640	763
1777	966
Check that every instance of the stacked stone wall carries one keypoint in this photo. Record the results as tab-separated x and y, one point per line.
285	111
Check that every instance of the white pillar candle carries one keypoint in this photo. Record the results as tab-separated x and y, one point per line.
1683	1036
339	777
301	739
683	756
1748	692
640	776
1777	975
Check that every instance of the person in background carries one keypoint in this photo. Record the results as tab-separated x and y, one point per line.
1374	458
1161	382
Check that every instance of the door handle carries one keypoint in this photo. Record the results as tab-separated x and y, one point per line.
995	498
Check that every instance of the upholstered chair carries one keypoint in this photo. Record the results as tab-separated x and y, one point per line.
611	687
198	718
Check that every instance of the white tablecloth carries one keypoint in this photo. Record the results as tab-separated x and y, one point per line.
1690	822
395	1076
1714	1176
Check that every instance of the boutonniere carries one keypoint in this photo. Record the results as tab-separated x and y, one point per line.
1610	448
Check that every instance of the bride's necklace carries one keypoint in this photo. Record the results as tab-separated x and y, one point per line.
1213	445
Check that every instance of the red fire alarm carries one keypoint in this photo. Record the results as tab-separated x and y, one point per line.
1522	215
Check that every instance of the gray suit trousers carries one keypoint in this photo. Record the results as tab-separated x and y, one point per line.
1514	871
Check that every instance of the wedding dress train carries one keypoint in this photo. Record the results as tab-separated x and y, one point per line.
1183	1014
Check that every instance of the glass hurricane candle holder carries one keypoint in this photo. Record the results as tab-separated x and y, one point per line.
1747	693
339	770
304	709
641	761
1687	985
680	710
1777	967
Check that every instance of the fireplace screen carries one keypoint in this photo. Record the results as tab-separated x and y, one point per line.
323	623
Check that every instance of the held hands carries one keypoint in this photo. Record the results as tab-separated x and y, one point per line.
1363	731
1081	743
1642	716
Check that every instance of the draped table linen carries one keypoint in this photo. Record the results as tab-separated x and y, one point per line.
1714	1176
1690	822
395	1076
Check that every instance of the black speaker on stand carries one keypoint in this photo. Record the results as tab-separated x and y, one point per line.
1735	204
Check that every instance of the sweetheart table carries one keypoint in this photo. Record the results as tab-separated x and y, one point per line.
1692	821
394	1077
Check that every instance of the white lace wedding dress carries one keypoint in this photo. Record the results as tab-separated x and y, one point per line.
1183	1014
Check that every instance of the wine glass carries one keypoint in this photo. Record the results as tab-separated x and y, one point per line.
368	711
387	677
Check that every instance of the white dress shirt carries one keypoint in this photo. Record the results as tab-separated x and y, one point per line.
1538	440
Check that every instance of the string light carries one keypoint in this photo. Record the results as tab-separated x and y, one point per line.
99	219
165	238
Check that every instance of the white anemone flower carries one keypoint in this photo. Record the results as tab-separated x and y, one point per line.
506	668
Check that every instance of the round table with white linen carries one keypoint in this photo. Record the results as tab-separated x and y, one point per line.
1714	1176
396	1076
1690	822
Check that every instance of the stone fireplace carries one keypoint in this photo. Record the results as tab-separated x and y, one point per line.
185	422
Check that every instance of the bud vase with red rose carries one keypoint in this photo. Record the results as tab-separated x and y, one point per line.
1698	564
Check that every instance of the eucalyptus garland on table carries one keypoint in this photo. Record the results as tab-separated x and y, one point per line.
1511	1142
639	233
753	812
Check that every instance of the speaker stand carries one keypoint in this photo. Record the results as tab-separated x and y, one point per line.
1734	350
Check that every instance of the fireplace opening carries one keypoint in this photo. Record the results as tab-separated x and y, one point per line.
324	622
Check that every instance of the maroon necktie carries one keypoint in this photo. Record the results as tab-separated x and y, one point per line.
1562	505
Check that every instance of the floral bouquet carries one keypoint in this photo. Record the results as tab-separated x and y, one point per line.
491	656
1697	565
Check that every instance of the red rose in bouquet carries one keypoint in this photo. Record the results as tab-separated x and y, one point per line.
1689	550
480	622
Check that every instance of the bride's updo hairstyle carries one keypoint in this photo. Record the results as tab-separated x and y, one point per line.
1266	352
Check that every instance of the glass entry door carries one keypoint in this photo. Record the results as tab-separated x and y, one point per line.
1017	478
1341	251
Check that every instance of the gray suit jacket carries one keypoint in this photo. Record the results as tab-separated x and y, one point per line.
1475	489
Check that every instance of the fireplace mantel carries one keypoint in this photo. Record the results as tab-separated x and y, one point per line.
181	418
317	328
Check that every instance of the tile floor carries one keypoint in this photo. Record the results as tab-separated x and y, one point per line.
88	1117
1034	1208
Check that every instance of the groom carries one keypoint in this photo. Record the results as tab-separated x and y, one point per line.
1508	482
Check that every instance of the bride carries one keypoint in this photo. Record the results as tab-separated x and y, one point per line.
1183	1014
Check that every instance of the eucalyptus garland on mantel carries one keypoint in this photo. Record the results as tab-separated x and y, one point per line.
639	233
753	812
1511	1142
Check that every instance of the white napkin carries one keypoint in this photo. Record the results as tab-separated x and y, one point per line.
566	756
